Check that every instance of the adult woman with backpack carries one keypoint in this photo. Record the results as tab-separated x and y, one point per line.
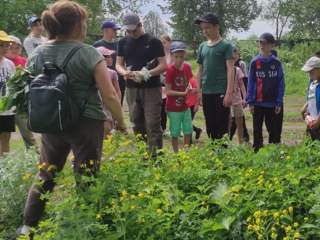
66	26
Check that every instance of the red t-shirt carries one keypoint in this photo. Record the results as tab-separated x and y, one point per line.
179	80
19	61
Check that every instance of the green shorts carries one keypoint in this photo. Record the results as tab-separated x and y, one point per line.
180	121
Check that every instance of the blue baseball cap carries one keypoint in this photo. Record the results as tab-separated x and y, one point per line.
177	46
108	24
33	20
234	48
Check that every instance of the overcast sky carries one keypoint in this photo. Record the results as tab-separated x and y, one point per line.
257	27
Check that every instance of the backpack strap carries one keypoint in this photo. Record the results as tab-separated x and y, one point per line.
70	54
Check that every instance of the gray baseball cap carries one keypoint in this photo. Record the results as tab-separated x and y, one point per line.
130	21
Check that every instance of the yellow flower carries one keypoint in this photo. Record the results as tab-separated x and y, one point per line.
296	235
262	172
26	176
288	229
290	209
250	227
288	157
116	161
159	211
132	207
138	136
42	165
296	224
285	238
98	216
124	193
91	162
51	167
126	143
250	170
285	212
132	196
265	212
157	176
274	235
305	219
276	215
257	214
258	221
203	203
248	219
140	195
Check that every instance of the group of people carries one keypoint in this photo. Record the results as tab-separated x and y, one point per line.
153	71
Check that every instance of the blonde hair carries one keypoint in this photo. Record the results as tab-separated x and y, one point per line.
166	37
64	18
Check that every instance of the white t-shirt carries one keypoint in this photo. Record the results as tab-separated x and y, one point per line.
312	106
6	70
31	42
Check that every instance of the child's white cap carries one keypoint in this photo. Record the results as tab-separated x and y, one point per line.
312	63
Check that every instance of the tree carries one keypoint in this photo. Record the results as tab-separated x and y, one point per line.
14	13
234	15
306	22
280	13
153	24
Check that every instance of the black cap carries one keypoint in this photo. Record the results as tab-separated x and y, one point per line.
208	18
267	38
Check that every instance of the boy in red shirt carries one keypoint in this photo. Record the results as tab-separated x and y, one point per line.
177	88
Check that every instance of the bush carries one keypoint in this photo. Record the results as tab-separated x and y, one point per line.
208	193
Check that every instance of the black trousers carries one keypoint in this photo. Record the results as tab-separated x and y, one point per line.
216	115
268	115
122	86
163	114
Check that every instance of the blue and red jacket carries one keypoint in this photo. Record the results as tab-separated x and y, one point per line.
266	82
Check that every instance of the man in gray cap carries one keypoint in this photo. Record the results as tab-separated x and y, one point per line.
140	60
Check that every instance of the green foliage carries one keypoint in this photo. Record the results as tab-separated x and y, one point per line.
17	171
208	193
235	15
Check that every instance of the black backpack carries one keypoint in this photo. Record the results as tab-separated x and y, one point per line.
50	102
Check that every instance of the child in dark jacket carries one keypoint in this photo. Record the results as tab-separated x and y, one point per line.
265	90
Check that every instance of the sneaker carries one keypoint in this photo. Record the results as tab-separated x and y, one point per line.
18	233
198	133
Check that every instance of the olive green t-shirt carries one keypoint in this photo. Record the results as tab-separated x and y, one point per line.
80	70
214	72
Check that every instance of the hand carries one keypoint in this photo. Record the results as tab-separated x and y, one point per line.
128	75
315	125
227	100
277	110
196	108
121	127
200	98
251	108
142	75
244	103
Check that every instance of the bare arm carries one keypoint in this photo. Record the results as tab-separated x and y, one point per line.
227	101
127	74
171	92
108	93
243	92
162	66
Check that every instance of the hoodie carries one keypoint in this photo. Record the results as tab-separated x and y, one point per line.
266	82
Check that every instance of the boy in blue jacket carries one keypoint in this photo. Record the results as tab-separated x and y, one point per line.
265	90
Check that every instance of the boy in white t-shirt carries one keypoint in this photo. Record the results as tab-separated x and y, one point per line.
312	107
238	103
